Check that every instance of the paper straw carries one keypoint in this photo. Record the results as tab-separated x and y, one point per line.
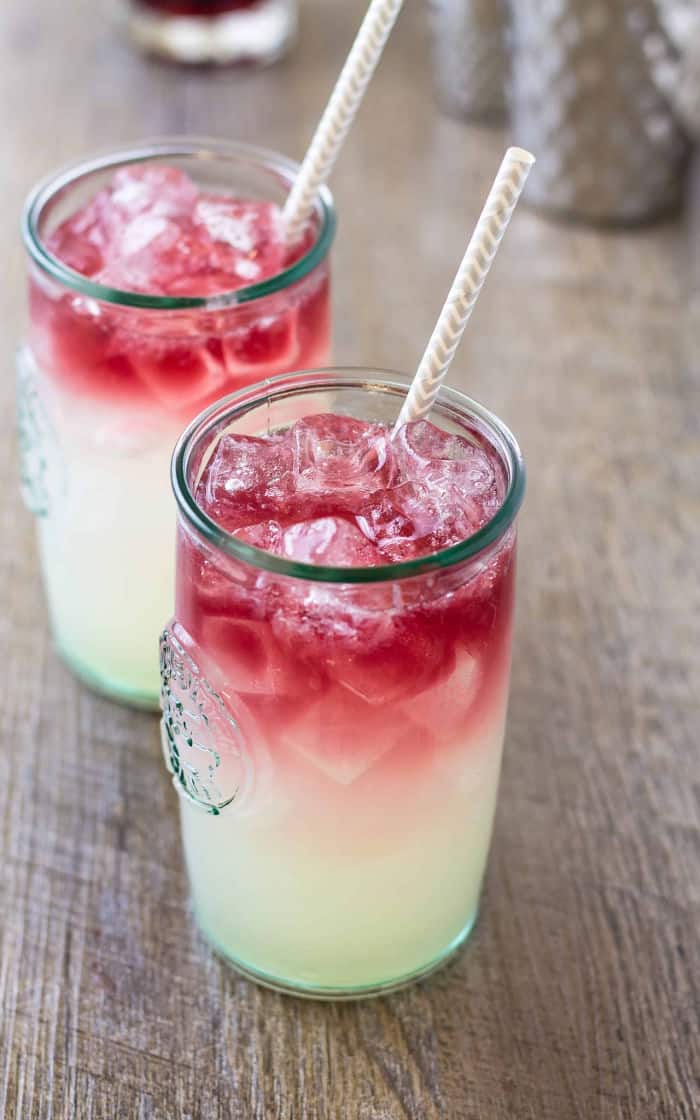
339	113
493	222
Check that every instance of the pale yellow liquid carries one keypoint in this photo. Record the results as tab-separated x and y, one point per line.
354	890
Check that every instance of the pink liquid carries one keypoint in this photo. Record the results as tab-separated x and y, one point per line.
151	230
338	492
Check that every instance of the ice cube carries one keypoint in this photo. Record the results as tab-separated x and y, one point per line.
444	460
341	459
151	231
177	256
341	736
83	240
402	515
179	374
116	221
167	258
148	256
267	535
412	519
357	637
467	740
80	245
211	583
331	541
143	230
444	710
245	479
244	237
139	188
397	659
249	658
264	346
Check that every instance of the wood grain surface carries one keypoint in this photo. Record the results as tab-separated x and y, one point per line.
577	997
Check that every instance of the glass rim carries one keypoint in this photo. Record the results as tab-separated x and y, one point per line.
158	148
286	385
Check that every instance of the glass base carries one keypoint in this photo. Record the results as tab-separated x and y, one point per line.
255	33
112	690
304	990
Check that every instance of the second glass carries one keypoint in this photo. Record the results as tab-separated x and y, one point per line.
107	381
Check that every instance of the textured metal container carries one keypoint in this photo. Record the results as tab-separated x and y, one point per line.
470	58
586	100
680	78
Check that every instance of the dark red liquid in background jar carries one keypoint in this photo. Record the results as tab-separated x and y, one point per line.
199	8
213	32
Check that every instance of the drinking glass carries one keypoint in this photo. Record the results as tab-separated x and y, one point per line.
335	733
108	378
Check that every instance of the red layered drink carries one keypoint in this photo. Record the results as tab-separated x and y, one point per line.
156	285
335	678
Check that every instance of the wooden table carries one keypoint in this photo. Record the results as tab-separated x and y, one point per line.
578	994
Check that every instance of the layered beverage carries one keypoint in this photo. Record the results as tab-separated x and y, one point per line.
158	281
336	674
213	31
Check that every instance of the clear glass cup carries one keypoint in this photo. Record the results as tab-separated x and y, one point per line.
335	734
213	31
108	379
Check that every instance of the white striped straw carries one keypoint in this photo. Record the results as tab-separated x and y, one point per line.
339	113
481	250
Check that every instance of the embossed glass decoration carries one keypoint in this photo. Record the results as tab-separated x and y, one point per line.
42	471
587	102
470	58
201	740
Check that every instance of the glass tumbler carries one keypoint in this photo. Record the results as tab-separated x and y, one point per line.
108	379
335	734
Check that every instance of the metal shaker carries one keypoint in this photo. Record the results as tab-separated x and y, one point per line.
587	101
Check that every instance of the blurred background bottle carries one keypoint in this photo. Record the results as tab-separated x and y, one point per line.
470	60
203	32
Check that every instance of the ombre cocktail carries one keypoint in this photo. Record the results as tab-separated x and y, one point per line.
158	280
335	677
